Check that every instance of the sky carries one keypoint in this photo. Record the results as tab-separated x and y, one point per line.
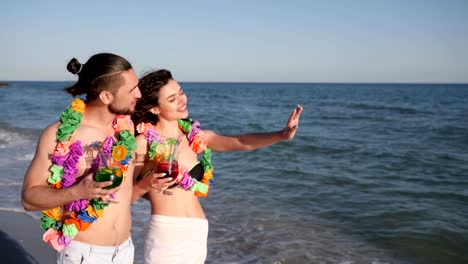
423	41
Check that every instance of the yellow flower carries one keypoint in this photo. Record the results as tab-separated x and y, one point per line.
54	213
94	213
208	175
78	105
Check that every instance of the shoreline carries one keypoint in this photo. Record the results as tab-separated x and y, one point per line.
21	239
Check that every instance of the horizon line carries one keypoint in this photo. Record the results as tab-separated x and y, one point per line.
273	82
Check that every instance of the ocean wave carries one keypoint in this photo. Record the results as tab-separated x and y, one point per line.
28	157
262	238
10	136
13	210
33	214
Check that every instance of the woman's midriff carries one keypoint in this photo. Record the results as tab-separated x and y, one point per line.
181	203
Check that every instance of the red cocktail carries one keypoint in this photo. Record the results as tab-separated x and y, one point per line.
170	168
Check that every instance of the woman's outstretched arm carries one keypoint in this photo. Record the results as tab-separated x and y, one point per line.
251	141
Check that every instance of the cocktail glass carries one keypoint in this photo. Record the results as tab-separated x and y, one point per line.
109	170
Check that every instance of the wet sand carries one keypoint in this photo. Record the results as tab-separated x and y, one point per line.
21	240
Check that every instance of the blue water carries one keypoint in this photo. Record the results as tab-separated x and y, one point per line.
377	173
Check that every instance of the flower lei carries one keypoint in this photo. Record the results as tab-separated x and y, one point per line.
197	142
61	229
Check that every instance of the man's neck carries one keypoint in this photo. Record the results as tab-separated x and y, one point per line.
98	116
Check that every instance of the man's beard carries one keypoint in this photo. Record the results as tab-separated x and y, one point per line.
117	111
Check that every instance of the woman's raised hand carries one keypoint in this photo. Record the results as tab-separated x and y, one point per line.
293	123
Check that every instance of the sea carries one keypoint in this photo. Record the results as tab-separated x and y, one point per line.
377	173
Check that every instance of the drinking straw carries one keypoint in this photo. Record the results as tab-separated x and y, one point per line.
104	158
174	151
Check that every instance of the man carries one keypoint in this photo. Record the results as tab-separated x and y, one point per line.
80	221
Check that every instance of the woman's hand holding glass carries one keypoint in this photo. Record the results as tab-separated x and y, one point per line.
166	164
157	181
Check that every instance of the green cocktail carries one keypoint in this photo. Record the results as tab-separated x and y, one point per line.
110	174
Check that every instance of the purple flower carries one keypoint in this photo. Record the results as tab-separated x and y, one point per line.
70	163
186	181
58	159
77	205
76	150
69	177
195	129
64	240
107	145
96	163
151	136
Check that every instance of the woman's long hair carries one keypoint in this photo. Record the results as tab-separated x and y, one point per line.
150	85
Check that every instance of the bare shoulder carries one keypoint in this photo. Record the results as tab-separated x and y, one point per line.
140	153
213	139
48	136
142	144
52	127
141	139
38	170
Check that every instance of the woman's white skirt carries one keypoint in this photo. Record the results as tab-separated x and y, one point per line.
176	240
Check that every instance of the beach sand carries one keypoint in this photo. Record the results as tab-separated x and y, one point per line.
21	240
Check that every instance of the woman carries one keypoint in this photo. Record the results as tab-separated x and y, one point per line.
178	228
